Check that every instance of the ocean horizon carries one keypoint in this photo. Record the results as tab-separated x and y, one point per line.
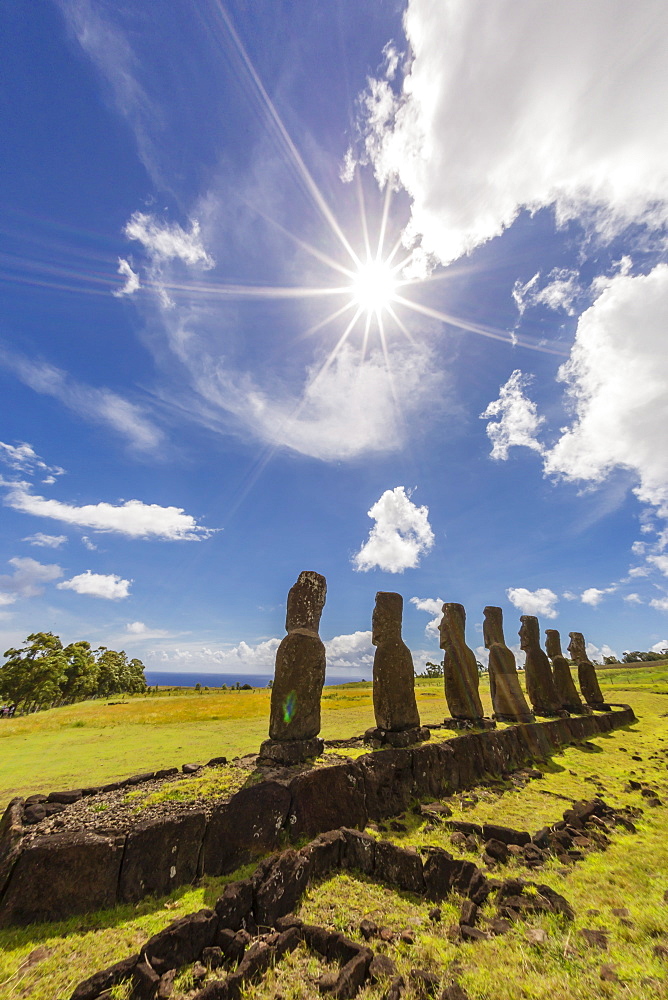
165	678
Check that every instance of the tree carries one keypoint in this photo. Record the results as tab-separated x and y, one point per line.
81	672
34	675
432	670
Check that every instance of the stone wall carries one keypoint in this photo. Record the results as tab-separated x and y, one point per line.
55	876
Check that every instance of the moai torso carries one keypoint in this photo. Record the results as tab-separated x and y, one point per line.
586	670
561	671
394	702
300	664
460	670
504	684
537	670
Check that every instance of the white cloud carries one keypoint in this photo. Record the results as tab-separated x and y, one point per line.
27	579
166	241
562	109
433	606
91	546
345	408
132	518
24	458
598	652
568	595
593	596
560	292
518	421
101	406
617	378
399	537
534	602
660	561
633	599
636	571
107	585
660	603
131	279
45	541
659	647
142	631
353	650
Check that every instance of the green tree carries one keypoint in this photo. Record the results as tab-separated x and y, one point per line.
34	675
81	672
432	670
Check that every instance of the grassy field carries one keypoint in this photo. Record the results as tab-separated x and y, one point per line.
632	873
96	742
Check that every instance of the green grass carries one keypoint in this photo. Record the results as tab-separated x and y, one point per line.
631	873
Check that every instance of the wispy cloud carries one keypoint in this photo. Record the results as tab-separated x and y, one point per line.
132	282
46	541
23	458
101	406
27	580
132	518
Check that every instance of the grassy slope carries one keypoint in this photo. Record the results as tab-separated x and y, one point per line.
631	873
93	742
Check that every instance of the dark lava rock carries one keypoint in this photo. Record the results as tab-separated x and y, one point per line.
324	853
595	938
212	956
360	851
34	813
368	929
352	976
234	905
246	826
497	850
191	768
381	966
425	984
182	941
325	799
65	798
160	854
468	913
395	990
400	867
102	981
474	933
281	880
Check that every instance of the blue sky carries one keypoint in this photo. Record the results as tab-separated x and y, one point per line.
207	389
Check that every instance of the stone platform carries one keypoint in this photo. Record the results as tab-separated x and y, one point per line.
58	874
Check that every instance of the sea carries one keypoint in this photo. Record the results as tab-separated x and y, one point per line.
166	678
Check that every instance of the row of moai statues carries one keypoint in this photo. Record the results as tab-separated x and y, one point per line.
299	676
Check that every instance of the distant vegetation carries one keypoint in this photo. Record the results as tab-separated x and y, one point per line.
636	657
44	673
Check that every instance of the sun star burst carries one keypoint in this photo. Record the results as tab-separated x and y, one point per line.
374	286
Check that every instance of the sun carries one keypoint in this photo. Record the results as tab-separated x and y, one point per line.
374	286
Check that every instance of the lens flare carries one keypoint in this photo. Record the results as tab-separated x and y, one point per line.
289	707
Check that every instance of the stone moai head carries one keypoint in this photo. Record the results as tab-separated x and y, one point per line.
305	602
529	632
576	647
552	643
452	626
492	627
387	614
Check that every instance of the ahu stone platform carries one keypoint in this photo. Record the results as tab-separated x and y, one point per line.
54	875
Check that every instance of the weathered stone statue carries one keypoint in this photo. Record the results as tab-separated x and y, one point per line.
299	676
586	671
537	670
394	705
507	696
561	671
460	670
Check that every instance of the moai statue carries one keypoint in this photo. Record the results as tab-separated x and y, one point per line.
299	676
561	671
504	685
539	680
460	671
394	705
586	672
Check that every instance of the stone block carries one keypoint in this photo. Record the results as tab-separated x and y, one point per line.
325	799
161	854
245	827
181	942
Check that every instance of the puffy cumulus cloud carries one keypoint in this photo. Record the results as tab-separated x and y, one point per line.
243	657
660	647
164	241
593	596
560	292
617	380
433	606
660	603
517	420
353	650
534	602
399	537
133	518
599	652
141	631
45	541
660	561
561	109
347	407
131	279
99	405
23	458
27	580
106	585
633	599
